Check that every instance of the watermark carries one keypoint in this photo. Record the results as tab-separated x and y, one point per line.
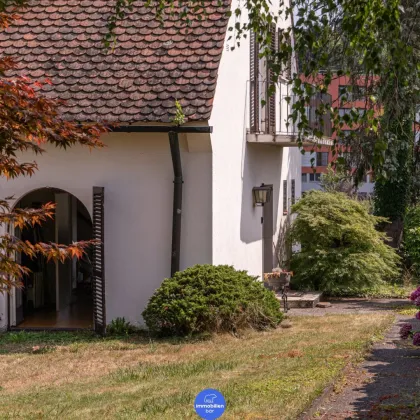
210	404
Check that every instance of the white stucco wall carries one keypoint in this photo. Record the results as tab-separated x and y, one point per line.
3	302
136	172
220	224
238	166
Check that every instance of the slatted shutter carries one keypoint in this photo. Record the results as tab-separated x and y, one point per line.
254	103
285	197
271	98
293	192
98	261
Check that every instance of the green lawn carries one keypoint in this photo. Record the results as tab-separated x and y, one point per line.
268	375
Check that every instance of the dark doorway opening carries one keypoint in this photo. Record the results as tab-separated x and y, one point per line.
55	295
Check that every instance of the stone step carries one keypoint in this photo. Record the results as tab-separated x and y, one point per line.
302	299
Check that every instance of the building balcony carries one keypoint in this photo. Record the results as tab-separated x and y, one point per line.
270	123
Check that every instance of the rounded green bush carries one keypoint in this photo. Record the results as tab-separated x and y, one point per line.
340	246
207	298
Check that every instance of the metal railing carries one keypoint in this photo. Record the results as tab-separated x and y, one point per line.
259	113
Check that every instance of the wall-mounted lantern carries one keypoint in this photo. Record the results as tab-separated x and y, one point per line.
262	194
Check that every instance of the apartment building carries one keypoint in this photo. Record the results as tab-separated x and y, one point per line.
316	159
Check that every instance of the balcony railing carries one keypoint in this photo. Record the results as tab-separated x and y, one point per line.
272	117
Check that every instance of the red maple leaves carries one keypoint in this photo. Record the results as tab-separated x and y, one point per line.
29	120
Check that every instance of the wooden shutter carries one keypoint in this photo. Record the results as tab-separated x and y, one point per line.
293	191
285	197
254	103
271	99
98	261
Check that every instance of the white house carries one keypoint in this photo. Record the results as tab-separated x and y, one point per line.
160	198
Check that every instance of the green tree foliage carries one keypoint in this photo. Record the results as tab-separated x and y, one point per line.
340	246
392	196
207	298
411	244
337	180
393	192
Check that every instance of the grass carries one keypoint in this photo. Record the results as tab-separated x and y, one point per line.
381	291
263	375
407	310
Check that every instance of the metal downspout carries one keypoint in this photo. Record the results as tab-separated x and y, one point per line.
177	202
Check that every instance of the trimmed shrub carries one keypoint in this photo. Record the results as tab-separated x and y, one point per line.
340	246
207	298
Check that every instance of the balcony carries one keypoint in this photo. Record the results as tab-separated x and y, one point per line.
270	124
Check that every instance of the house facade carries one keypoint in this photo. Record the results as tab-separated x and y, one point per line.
157	196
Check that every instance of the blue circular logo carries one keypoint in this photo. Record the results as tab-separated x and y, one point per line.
210	404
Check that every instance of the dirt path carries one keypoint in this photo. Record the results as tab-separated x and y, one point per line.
387	384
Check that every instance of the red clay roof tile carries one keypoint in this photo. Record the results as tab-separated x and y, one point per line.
150	67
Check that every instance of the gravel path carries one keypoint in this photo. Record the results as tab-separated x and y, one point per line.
387	384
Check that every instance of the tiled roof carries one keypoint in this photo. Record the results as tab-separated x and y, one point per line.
150	66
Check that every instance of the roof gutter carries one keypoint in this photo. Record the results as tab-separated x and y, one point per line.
160	129
173	132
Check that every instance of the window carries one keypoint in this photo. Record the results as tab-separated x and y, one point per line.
307	159
314	177
285	197
347	111
344	111
342	90
358	92
351	93
349	158
293	192
304	178
322	159
345	136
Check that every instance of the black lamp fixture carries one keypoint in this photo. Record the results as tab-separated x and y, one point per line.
261	194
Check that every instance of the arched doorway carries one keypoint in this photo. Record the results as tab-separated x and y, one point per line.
55	295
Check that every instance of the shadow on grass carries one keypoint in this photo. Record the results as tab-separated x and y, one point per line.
46	341
393	388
